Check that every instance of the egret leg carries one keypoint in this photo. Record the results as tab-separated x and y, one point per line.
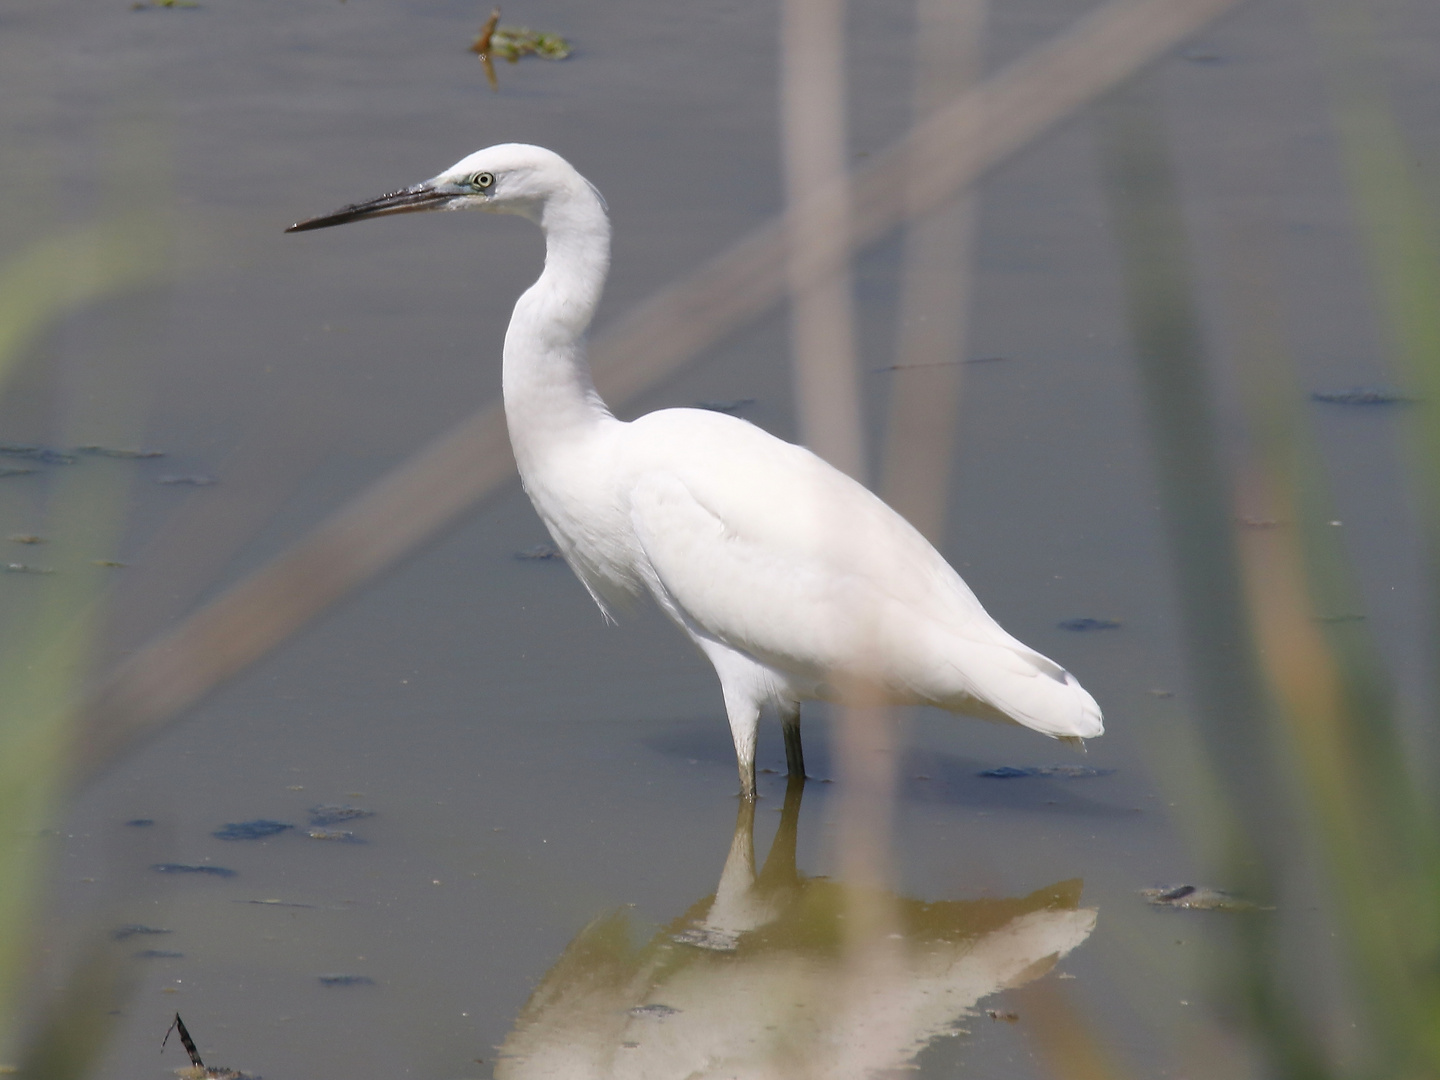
790	725
744	723
741	680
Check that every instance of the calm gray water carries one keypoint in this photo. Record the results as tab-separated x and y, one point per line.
529	769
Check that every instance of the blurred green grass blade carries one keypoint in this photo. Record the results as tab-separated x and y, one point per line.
46	623
1197	507
75	1029
1195	492
64	272
1399	233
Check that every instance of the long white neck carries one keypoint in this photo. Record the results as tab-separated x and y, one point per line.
549	395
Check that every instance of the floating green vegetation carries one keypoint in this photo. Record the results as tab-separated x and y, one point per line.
512	42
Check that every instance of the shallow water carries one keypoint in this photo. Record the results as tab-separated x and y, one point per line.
530	770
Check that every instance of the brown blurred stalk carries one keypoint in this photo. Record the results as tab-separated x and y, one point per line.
925	385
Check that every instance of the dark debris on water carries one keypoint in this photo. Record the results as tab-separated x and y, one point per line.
1060	772
121	933
250	830
1362	395
1081	626
345	980
653	1012
192	481
118	452
335	836
46	455
334	815
188	868
538	553
1198	898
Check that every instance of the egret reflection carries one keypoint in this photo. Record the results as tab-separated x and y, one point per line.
749	982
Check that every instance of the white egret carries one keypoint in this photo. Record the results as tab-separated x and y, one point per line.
731	530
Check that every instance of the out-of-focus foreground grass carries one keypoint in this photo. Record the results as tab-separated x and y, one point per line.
1322	777
49	614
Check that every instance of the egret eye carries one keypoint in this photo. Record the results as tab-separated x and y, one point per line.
482	181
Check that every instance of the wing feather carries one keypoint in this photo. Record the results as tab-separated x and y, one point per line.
770	550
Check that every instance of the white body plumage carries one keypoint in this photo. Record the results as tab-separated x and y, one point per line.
785	572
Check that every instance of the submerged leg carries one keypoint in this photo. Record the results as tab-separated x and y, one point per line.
790	725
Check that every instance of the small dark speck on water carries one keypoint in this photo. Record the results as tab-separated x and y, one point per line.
140	822
731	407
1362	395
345	980
1008	1017
538	552
157	954
193	481
1081	626
1204	56
250	830
12	471
120	933
187	868
333	815
25	538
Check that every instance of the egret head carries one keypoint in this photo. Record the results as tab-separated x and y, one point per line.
511	178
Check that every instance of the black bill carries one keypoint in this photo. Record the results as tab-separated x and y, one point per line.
408	201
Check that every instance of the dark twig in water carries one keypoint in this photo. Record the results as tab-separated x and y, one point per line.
178	1025
198	1069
